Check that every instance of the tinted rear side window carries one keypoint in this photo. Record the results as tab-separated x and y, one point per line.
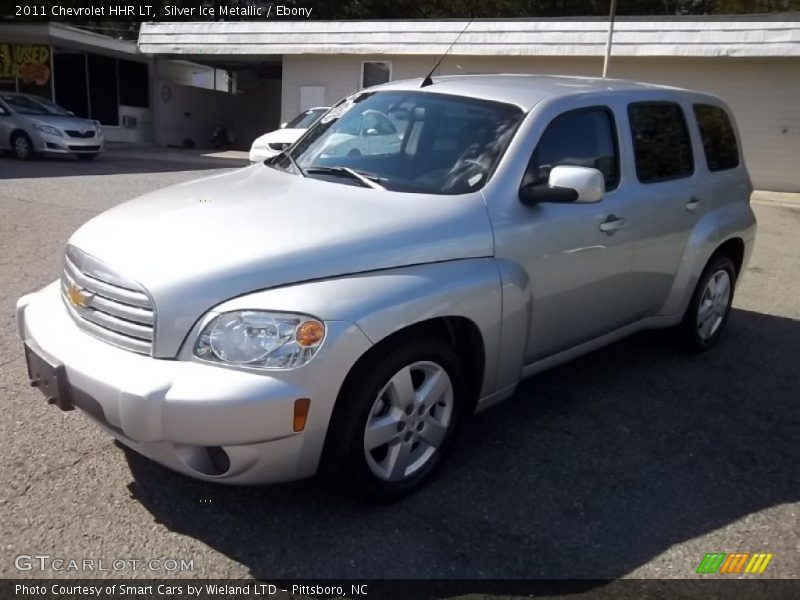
719	140
584	138
661	143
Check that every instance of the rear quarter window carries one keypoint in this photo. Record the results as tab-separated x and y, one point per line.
719	140
661	143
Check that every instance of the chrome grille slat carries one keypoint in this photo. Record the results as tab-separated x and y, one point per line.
108	290
122	326
112	308
128	343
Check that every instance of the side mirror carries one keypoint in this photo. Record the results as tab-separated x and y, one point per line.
372	131
70	113
283	125
580	185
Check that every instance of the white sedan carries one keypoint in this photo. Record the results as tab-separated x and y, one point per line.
275	142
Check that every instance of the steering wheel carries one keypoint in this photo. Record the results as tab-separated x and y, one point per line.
466	163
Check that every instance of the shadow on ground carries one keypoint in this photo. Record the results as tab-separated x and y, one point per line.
115	163
590	471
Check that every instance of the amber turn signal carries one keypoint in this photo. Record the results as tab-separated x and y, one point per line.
301	406
309	333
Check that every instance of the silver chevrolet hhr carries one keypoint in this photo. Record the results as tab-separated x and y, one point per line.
347	305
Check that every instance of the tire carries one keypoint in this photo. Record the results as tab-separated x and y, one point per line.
708	311
91	156
376	398
22	146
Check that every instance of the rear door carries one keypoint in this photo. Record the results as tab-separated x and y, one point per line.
671	196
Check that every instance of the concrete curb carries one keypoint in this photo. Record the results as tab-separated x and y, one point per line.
790	199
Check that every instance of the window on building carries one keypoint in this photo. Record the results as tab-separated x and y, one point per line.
375	73
134	88
719	140
103	92
582	138
70	81
661	143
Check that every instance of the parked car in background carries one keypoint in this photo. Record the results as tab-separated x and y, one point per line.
275	142
31	126
348	313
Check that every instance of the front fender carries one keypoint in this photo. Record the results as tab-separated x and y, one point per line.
383	302
735	220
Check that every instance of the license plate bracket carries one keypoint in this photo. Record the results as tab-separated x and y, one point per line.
50	376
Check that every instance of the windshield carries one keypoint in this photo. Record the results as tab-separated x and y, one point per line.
306	119
407	141
25	105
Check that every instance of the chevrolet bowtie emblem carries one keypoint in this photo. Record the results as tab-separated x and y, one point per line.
78	297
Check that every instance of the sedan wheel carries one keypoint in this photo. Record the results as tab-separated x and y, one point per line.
23	147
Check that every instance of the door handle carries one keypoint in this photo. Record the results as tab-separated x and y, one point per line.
693	204
612	223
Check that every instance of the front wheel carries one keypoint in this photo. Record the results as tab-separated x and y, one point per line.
396	419
22	146
710	306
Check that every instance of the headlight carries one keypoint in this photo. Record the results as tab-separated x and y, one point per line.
98	128
47	129
260	339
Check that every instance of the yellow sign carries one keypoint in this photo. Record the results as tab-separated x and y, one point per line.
28	62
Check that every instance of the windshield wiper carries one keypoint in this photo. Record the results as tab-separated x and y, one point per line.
294	162
348	172
271	161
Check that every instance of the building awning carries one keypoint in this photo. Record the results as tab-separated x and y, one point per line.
744	36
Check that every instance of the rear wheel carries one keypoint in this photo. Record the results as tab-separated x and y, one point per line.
22	145
710	306
396	420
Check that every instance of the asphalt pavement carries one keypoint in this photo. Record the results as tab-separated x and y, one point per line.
631	462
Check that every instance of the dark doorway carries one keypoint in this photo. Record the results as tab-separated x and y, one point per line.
70	81
103	89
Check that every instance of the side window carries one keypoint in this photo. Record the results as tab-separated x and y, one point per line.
661	143
719	141
583	138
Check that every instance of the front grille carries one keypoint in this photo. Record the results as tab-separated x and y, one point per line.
105	304
85	148
89	133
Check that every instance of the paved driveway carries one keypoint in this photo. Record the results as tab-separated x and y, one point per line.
633	461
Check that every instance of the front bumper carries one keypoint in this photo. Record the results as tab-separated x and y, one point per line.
174	411
51	144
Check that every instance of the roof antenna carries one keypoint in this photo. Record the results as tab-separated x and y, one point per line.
428	81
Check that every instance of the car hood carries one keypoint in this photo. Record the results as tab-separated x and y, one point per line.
197	244
63	122
279	136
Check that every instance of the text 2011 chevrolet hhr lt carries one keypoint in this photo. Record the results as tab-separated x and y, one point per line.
346	305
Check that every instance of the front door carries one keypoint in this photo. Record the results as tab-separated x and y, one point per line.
577	256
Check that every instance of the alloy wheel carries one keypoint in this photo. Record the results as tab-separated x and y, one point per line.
713	304
409	421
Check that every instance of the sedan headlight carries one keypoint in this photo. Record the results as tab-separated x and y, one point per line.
260	339
47	129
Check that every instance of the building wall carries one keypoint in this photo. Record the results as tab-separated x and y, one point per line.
763	93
